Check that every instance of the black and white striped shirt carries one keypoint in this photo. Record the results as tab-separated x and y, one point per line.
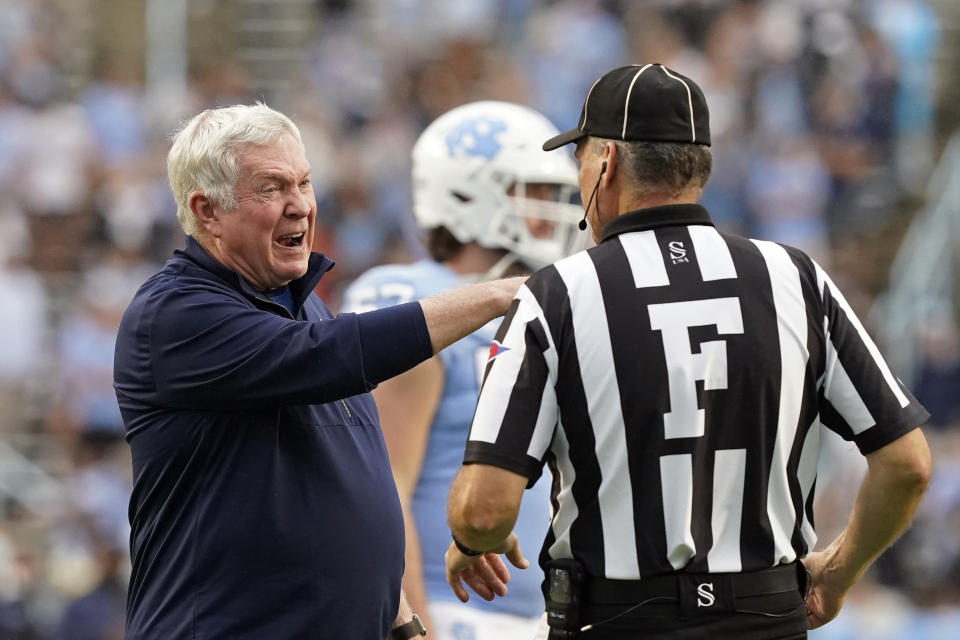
676	380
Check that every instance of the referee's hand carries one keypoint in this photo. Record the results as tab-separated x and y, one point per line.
486	574
824	598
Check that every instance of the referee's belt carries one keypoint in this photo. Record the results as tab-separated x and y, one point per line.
694	587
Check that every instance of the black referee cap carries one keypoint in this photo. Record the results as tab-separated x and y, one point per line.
641	102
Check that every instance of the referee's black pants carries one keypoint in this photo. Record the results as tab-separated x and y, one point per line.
776	612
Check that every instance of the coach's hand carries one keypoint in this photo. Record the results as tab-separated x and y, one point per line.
486	574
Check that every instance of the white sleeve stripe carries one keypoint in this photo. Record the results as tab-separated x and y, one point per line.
498	385
843	395
825	281
546	422
533	311
547	415
499	382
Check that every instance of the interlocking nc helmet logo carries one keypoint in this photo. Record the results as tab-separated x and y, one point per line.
705	597
476	137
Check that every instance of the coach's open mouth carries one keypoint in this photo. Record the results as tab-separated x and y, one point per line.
291	240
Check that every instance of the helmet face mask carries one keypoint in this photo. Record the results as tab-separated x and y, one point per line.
546	215
475	169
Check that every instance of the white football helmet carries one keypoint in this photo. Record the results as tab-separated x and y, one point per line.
472	171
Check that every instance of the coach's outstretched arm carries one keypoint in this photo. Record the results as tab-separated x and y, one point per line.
897	475
453	314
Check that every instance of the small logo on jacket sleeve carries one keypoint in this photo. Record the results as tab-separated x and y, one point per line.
496	349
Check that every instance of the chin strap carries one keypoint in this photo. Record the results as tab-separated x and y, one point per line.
501	266
498	270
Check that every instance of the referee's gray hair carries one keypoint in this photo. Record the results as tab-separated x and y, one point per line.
663	167
205	153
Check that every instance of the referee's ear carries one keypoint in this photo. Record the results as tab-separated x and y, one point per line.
609	194
609	162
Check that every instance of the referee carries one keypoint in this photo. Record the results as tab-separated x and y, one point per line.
676	380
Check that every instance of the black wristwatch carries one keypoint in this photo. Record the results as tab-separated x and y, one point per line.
412	629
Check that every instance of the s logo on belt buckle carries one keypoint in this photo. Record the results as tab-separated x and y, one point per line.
705	597
704	594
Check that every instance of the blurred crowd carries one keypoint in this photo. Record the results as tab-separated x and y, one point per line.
824	130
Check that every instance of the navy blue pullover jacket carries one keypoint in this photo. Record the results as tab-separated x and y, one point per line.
263	505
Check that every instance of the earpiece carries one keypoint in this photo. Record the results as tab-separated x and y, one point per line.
583	223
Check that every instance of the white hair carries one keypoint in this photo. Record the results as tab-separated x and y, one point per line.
205	153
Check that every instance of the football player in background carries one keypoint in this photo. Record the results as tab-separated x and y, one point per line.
490	202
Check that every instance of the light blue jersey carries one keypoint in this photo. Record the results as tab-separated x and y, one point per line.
463	364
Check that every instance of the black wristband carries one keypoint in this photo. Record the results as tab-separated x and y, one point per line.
464	549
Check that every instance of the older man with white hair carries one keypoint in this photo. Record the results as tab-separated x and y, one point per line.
263	504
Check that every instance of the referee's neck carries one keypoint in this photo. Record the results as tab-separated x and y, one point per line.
634	200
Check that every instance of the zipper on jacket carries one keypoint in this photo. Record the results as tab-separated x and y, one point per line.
346	408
